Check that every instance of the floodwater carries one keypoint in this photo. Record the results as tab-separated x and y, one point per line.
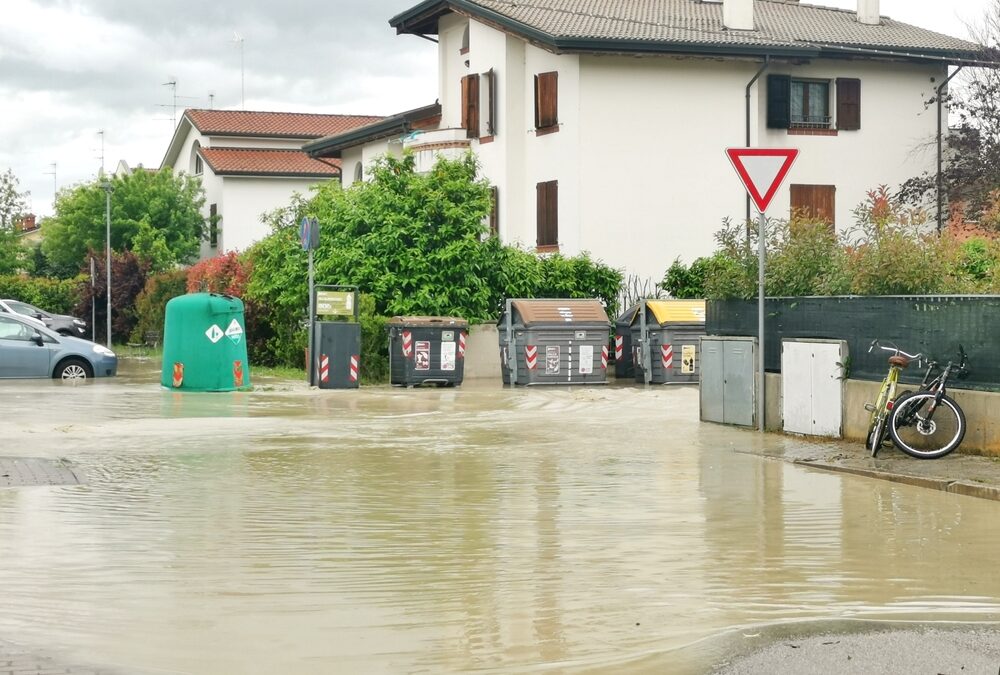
389	530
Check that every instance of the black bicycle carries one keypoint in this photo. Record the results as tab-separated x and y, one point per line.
927	423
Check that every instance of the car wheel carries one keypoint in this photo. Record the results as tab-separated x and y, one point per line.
74	370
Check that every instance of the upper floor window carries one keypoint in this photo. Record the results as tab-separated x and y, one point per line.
465	41
546	102
199	165
806	104
359	173
479	105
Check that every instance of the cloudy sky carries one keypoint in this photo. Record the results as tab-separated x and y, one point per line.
71	68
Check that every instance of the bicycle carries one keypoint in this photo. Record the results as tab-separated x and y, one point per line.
883	406
927	423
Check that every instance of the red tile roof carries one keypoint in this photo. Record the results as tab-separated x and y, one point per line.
273	124
256	162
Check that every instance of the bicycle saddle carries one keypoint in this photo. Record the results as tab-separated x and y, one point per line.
900	361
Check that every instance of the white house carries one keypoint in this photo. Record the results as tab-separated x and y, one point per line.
603	126
250	163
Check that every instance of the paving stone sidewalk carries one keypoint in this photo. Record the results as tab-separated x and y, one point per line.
957	473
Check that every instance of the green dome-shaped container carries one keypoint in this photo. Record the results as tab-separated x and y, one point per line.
204	344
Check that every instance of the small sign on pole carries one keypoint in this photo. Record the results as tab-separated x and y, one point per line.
762	171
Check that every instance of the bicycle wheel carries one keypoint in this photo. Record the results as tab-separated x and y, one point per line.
921	434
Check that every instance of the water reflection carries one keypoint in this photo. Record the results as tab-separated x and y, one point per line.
393	530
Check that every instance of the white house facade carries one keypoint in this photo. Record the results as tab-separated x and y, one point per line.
250	163
606	131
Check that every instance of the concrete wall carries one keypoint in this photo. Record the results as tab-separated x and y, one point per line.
982	437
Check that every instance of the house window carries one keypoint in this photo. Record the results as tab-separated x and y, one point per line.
817	202
213	226
494	211
805	104
548	215
546	102
199	165
359	173
810	104
470	105
465	41
489	81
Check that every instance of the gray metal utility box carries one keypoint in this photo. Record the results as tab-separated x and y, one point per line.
665	341
624	354
554	342
339	352
729	380
427	350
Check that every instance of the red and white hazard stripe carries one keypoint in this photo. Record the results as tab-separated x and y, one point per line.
531	357
407	344
354	368
604	357
324	368
667	353
619	347
461	345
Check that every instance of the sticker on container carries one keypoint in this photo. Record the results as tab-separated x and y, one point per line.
235	332
447	336
214	334
447	356
422	352
552	360
586	359
687	359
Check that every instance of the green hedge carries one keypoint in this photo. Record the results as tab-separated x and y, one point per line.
58	296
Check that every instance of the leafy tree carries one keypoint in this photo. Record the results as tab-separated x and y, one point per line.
13	202
156	215
14	257
128	279
971	168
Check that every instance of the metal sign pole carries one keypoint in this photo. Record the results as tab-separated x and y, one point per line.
312	322
761	262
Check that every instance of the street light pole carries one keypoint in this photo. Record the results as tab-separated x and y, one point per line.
107	212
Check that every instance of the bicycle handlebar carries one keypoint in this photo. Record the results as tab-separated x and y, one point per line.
896	350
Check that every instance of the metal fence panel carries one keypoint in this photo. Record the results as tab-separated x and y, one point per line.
934	325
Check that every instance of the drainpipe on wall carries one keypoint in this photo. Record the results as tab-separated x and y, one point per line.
940	151
767	61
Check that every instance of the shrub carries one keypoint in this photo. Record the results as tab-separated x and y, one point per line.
61	296
150	306
128	279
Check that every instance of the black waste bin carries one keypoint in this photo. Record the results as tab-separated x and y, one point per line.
338	364
624	354
427	350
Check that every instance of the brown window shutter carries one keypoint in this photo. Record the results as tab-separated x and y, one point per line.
494	211
546	100
470	105
815	201
548	213
848	104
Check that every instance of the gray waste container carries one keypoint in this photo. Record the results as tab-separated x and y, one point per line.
554	342
338	350
427	350
623	352
665	340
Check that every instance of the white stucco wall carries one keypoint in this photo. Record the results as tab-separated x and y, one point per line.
245	200
451	68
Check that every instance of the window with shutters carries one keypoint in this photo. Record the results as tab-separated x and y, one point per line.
488	101
546	103
470	105
801	104
817	202
548	215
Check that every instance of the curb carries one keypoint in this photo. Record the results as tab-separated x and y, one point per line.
959	487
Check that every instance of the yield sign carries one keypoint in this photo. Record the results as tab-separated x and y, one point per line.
762	171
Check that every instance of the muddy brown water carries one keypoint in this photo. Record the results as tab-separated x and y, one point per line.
447	530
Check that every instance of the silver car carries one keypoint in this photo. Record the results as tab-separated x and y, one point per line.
30	350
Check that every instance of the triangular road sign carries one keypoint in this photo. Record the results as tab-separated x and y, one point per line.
762	171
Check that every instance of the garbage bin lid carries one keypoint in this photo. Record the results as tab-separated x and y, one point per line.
431	321
560	311
677	311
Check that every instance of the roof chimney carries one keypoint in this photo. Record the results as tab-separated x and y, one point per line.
738	14
868	12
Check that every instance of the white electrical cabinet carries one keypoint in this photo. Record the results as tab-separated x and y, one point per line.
812	386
